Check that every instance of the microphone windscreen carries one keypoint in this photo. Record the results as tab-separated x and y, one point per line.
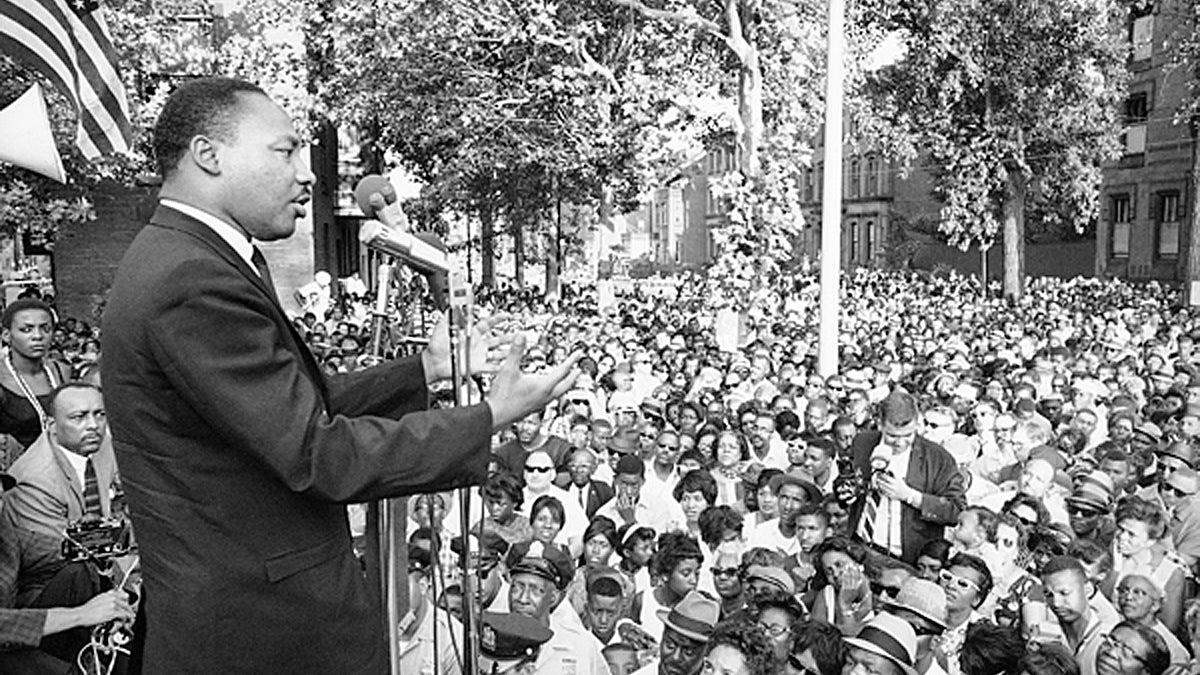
369	185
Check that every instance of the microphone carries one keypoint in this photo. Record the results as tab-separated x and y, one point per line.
881	459
389	210
422	251
376	197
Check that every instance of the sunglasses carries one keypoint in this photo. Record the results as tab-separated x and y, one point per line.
794	661
539	469
950	579
885	591
724	571
1082	512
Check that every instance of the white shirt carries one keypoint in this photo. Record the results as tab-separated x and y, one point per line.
887	532
767	535
78	463
239	242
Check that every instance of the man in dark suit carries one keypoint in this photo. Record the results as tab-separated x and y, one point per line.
237	455
914	489
591	494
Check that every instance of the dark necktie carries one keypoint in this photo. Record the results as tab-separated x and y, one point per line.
91	491
260	264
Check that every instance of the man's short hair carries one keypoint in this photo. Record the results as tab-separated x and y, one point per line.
201	107
825	641
1063	563
606	587
65	386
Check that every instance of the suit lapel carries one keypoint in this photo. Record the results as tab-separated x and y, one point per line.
172	219
66	473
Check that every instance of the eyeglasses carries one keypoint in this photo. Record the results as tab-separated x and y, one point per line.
724	571
1122	649
772	629
1133	591
539	469
886	591
794	661
961	583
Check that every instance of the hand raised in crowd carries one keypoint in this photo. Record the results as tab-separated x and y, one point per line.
514	394
485	357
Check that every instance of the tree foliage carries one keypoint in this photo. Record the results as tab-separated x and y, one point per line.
1010	104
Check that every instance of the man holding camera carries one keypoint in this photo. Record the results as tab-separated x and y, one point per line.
913	487
47	606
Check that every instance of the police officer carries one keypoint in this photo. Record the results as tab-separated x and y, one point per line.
509	643
538	583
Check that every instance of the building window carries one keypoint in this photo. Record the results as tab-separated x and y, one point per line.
1137	111
1141	30
871	240
809	176
855	189
872	178
1121	219
820	182
854	240
1168	223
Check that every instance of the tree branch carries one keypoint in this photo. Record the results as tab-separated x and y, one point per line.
691	19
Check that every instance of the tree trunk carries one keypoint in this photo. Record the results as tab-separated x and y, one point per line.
487	246
554	253
1191	277
1014	234
750	108
518	235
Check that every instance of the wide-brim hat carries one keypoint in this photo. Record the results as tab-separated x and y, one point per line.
1185	480
811	491
922	597
891	637
776	576
695	616
1093	489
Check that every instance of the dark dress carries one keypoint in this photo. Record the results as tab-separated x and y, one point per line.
17	416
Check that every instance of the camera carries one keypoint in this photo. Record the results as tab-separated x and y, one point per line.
97	539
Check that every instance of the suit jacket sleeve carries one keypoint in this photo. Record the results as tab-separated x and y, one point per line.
219	346
943	494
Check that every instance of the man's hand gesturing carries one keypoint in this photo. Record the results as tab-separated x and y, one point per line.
514	394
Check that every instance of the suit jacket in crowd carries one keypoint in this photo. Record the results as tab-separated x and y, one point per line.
932	471
49	494
238	456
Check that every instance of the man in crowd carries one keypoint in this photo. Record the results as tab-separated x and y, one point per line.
916	489
635	504
686	629
69	472
1067	589
530	437
539	579
48	607
584	489
419	647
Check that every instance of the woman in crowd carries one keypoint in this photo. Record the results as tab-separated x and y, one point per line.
729	456
739	648
1139	549
636	550
676	571
503	496
599	545
28	374
695	492
845	600
1016	599
765	504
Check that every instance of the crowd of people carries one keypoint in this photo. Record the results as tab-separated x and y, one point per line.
983	486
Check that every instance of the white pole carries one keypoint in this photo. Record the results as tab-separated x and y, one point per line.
831	201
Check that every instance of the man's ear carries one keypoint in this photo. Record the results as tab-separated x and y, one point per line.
202	152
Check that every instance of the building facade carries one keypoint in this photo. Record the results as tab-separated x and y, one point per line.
1142	231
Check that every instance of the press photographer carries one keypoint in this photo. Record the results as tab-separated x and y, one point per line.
61	539
912	487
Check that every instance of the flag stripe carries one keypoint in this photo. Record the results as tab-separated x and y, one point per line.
48	40
77	55
96	66
25	47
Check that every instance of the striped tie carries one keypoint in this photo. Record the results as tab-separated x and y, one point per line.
866	524
91	491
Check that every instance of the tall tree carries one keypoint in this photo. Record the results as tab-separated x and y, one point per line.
1009	104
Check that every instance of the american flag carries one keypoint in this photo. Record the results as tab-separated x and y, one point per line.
68	42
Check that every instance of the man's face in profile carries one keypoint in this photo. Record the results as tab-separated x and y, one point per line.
263	177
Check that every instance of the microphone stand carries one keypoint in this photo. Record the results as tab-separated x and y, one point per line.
387	558
461	325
